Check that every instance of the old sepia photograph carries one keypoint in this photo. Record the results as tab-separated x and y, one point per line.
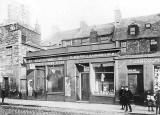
79	57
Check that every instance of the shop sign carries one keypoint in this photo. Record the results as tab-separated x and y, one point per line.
92	55
146	60
49	63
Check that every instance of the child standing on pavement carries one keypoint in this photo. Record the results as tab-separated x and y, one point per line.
150	101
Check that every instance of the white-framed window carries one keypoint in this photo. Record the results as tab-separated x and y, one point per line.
148	26
66	43
153	45
132	30
123	46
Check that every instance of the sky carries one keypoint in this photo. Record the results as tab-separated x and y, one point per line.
63	15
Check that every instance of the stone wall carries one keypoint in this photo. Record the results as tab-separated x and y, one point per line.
12	52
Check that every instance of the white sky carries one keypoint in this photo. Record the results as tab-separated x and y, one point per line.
67	14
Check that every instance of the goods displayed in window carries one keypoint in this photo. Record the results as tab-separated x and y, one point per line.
104	79
55	78
156	78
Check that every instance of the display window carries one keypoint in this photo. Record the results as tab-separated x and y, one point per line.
55	78
156	84
104	79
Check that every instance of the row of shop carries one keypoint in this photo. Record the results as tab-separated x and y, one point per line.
95	78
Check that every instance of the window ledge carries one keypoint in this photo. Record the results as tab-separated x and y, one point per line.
51	93
104	95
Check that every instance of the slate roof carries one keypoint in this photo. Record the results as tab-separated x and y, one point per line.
81	33
122	28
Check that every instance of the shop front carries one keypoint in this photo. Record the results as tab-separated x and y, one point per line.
94	80
45	81
73	77
140	74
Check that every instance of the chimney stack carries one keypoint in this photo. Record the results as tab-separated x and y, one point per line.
117	14
83	25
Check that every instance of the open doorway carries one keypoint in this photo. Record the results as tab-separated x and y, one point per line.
136	82
82	82
6	85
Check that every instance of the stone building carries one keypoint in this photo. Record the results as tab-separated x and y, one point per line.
93	62
15	41
138	62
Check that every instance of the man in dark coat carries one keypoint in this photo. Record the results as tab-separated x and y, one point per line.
157	98
3	95
128	97
122	97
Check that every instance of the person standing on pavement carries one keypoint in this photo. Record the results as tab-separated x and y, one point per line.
157	98
122	97
3	95
150	100
127	98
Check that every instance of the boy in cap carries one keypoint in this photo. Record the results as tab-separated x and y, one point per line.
128	97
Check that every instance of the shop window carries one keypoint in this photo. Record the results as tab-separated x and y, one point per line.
156	84
104	79
55	78
40	80
153	45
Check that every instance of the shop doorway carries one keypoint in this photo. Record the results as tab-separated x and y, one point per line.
6	85
85	86
136	82
82	82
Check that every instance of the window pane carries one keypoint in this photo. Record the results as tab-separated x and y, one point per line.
85	41
24	39
104	83
39	81
132	29
123	44
123	50
153	45
132	33
76	42
104	79
55	78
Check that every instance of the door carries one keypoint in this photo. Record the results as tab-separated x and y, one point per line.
85	86
6	85
135	84
132	83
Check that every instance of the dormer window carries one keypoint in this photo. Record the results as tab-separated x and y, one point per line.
133	29
148	26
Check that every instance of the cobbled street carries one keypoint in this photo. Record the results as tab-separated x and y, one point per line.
34	110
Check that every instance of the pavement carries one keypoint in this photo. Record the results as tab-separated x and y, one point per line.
89	108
